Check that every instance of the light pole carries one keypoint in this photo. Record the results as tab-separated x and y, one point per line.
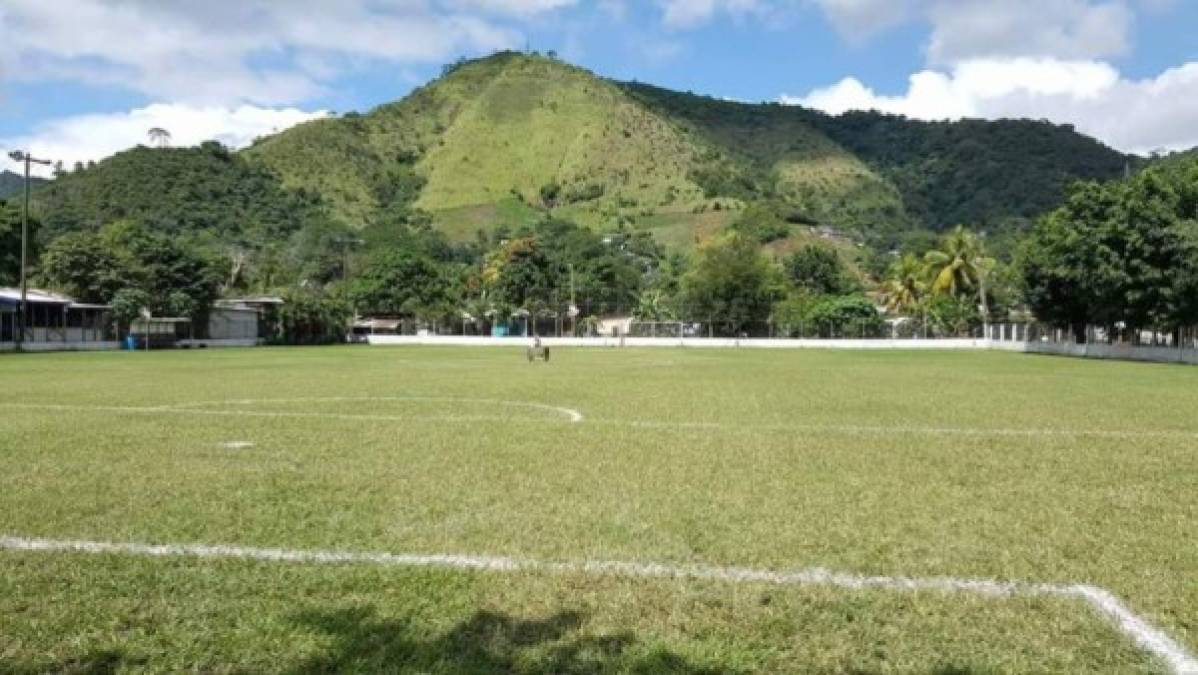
18	156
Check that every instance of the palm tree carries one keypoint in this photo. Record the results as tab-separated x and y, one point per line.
159	137
904	288
960	265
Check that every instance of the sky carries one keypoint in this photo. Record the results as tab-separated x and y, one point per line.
82	79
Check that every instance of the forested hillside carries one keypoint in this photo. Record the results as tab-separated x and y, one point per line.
502	142
206	189
927	174
12	183
977	172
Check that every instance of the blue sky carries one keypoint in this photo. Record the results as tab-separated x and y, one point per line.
80	79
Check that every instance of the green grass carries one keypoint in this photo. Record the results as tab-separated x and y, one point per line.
464	223
792	459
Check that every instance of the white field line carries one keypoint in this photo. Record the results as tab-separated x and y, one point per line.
574	416
1148	637
866	429
569	413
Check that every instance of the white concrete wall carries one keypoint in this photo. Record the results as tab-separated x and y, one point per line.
748	343
1102	351
1096	351
60	346
215	344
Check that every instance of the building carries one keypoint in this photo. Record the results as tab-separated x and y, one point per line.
266	308
55	322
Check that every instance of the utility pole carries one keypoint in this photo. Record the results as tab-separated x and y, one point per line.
18	156
573	311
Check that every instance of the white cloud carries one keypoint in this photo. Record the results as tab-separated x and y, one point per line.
860	19
1067	29
93	137
1131	115
512	7
972	29
223	51
683	14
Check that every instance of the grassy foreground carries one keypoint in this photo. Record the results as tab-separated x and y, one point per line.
920	464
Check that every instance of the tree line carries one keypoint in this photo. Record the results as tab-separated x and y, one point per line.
1122	255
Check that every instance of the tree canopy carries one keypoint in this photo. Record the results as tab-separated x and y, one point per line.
1119	255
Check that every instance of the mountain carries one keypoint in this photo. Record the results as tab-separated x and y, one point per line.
12	183
505	140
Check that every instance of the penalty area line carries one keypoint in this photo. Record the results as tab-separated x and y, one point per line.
1149	637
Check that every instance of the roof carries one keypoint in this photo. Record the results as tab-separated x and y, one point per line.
252	300
383	324
235	309
13	295
161	319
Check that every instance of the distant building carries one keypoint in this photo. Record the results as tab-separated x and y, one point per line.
55	322
229	318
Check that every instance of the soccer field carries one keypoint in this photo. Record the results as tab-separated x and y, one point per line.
612	510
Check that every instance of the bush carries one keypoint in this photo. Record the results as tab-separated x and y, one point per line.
549	193
834	316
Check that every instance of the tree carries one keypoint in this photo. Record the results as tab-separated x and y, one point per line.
159	137
732	284
10	244
311	317
846	316
161	265
84	266
761	221
653	305
959	266
1118	255
820	270
401	283
127	305
904	287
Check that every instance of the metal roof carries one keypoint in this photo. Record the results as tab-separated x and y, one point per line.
13	295
253	300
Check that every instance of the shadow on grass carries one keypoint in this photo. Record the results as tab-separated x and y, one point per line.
102	662
487	642
934	670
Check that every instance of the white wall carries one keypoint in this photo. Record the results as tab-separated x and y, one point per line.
1102	351
748	343
60	346
230	342
1098	351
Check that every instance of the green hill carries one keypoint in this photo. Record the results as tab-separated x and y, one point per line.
508	139
205	191
502	139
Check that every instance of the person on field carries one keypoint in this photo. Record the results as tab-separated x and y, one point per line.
538	351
